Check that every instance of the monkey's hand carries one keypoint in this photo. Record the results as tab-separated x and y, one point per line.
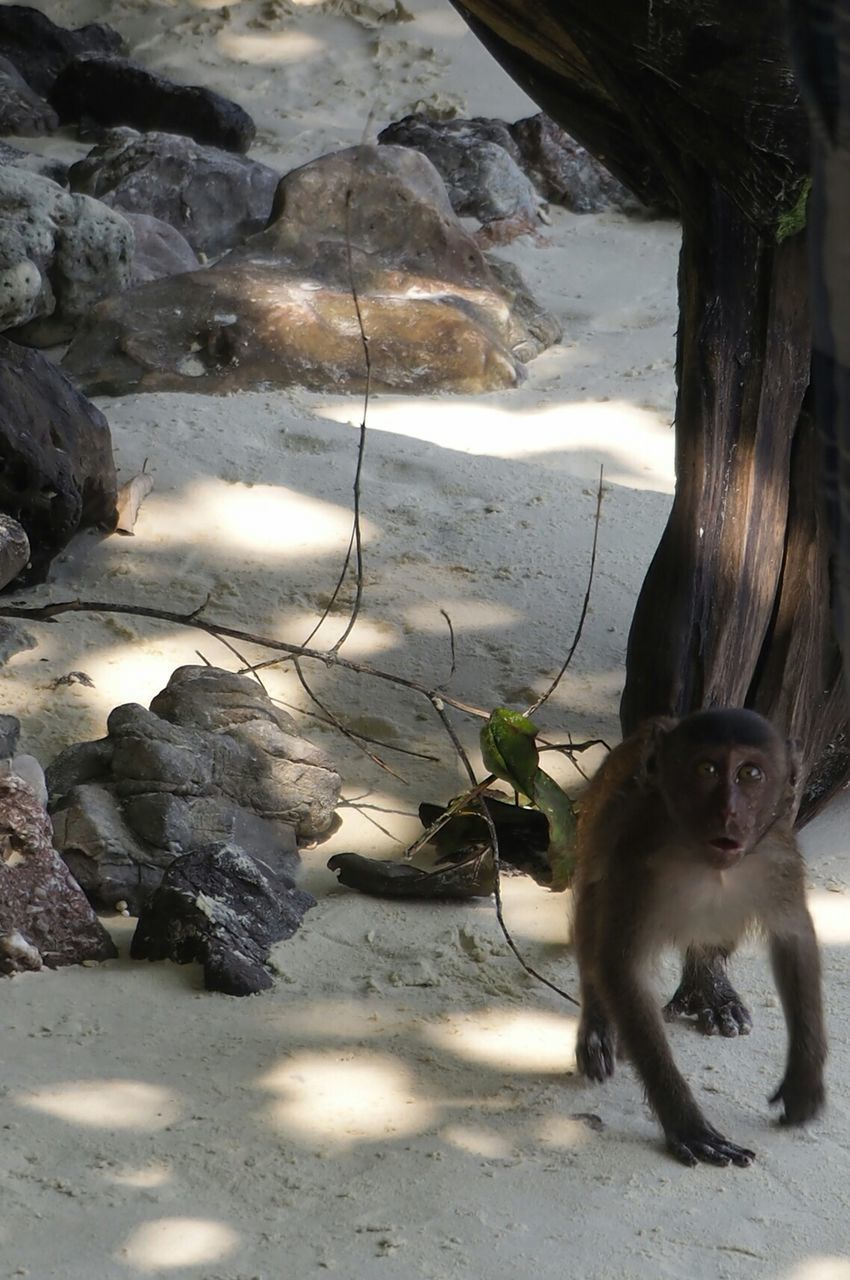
702	1143
801	1094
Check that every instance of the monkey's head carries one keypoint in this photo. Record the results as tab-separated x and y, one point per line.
725	777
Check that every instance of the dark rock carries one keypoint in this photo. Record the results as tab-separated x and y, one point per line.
14	550
45	919
40	49
481	176
160	250
484	185
57	474
10	731
223	909
21	109
212	197
116	91
59	254
213	760
279	309
564	173
47	166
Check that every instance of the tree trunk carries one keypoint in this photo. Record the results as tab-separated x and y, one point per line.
694	99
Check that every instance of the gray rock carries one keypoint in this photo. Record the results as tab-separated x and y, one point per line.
59	254
160	249
58	475
40	49
224	909
279	310
116	91
212	760
481	175
14	550
21	109
10	731
46	166
213	198
565	173
45	919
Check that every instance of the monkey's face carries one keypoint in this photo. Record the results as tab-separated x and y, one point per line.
722	798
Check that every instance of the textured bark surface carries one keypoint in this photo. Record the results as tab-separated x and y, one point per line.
694	105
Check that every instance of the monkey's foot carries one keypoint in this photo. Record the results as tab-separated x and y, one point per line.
705	1144
596	1049
710	998
801	1095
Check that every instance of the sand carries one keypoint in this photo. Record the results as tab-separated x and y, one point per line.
404	1102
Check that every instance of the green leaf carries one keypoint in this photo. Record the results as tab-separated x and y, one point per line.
510	752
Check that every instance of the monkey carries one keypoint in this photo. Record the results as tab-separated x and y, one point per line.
686	839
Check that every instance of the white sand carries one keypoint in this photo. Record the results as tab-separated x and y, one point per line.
403	1103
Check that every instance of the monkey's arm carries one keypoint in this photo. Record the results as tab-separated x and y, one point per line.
796	968
634	1009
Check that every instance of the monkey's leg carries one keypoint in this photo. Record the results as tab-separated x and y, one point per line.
796	968
596	1042
689	1136
705	993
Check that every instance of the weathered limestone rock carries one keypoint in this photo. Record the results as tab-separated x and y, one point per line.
45	919
224	909
279	309
14	550
59	254
212	197
47	166
21	109
40	49
53	442
500	172
482	178
115	91
159	250
564	173
213	760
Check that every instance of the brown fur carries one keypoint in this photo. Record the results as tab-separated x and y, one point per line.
668	810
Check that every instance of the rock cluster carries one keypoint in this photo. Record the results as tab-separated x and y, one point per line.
212	761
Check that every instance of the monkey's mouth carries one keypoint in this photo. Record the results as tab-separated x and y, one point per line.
725	852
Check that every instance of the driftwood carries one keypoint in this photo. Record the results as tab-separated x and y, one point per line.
694	105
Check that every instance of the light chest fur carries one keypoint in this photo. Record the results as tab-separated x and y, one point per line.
701	905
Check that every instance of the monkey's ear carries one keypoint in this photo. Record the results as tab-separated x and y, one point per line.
795	775
653	733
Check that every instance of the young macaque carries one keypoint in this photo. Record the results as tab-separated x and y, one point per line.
686	839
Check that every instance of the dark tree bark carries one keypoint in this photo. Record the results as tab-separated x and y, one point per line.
693	104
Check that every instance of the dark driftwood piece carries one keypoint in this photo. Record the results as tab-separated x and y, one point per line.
693	104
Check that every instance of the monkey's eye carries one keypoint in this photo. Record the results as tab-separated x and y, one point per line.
707	769
750	773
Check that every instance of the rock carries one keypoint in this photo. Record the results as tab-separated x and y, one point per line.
58	475
59	254
21	109
116	91
47	166
10	731
213	760
40	49
215	199
45	919
160	250
483	185
14	550
565	173
482	178
279	310
223	909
